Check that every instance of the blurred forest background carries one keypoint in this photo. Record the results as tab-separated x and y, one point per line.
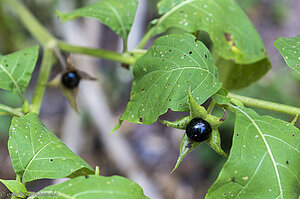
145	154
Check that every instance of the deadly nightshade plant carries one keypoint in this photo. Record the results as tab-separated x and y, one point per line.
177	72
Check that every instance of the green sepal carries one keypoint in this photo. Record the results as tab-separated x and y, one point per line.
117	126
17	188
213	121
179	124
214	141
25	107
97	171
71	95
186	146
294	120
197	111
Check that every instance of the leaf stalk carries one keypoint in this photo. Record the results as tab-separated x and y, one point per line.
282	108
10	110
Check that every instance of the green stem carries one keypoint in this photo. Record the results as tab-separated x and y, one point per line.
31	23
146	38
97	171
211	107
125	46
11	111
105	54
46	39
266	104
42	80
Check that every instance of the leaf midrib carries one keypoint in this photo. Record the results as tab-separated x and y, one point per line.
119	19
172	11
13	80
33	158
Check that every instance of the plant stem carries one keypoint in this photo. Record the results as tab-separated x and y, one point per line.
10	110
146	38
266	104
125	46
211	107
42	80
105	54
31	23
49	43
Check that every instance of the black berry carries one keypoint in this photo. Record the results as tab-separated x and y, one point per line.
198	130
70	79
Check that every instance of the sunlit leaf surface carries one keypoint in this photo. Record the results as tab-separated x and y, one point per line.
37	153
264	160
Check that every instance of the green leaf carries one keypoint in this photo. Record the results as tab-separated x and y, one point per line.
16	70
264	160
233	35
290	51
163	75
36	153
16	187
237	76
118	15
165	6
221	96
114	187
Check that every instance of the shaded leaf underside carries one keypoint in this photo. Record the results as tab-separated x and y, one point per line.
233	35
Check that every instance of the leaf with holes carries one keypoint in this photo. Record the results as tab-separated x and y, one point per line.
114	187
290	51
36	153
233	35
264	160
16	70
116	14
163	75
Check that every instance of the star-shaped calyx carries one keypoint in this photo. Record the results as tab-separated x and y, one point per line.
200	127
69	80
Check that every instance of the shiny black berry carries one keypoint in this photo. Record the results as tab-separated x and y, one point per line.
70	79
198	130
